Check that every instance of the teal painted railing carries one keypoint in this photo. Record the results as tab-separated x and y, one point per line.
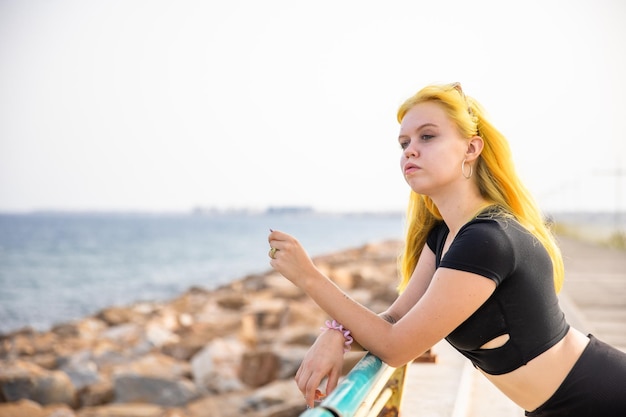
372	388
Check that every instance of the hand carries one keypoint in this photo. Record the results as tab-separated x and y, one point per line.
289	258
324	359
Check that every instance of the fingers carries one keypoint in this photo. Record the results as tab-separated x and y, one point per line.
308	383
286	248
276	236
275	244
309	395
307	388
331	384
280	239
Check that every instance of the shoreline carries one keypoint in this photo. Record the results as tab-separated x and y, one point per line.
605	237
232	351
592	234
58	269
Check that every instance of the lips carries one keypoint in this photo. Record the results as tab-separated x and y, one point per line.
410	168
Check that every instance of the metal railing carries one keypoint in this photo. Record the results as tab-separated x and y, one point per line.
371	389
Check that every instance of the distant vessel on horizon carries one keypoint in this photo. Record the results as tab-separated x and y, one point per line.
289	210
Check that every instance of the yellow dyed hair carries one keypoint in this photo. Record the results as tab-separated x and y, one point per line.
495	174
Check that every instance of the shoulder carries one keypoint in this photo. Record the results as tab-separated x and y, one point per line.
486	245
497	231
487	237
435	236
490	224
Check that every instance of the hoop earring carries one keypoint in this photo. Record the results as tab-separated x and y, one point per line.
471	171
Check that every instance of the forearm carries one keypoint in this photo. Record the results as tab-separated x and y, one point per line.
356	345
373	332
370	330
394	337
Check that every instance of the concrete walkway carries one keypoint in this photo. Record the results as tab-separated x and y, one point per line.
594	301
595	285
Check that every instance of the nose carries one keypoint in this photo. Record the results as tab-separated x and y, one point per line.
410	150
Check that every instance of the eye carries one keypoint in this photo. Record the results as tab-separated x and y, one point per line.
404	143
426	138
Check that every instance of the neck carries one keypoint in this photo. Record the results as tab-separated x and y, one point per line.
459	209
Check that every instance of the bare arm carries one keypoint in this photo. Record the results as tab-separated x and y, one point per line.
418	284
448	300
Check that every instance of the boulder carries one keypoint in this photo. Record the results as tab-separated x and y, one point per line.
28	408
216	367
259	367
24	380
168	392
123	410
229	352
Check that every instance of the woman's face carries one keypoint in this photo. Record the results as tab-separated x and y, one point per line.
432	149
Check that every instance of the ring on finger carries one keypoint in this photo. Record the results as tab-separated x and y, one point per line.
273	253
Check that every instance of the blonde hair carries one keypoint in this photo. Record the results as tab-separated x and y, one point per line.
496	177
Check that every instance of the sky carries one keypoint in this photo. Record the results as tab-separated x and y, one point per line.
153	105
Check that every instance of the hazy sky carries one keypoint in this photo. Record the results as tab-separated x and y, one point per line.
166	105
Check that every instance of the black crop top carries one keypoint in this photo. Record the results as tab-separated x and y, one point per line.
524	304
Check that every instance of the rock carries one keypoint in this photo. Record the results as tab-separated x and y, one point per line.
158	335
98	393
108	357
298	335
250	283
281	288
305	313
86	329
225	405
281	398
249	333
124	334
290	358
45	360
229	352
190	302
268	313
114	316
26	342
123	410
222	321
27	408
81	369
232	301
216	367
23	380
185	348
259	368
154	378
157	365
169	392
343	277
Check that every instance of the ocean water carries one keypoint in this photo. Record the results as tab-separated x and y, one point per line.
58	267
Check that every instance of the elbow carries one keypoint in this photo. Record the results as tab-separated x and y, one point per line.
394	362
394	359
398	356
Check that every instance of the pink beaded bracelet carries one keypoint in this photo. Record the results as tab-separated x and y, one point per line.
333	325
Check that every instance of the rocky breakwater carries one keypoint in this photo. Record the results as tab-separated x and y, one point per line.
228	352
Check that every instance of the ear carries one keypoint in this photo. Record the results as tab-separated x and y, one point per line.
475	146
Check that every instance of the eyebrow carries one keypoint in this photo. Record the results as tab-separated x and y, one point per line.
420	127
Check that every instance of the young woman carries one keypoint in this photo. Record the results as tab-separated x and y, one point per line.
479	268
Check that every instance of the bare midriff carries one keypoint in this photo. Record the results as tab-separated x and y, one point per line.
532	385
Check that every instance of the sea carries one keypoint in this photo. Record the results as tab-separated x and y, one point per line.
56	267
